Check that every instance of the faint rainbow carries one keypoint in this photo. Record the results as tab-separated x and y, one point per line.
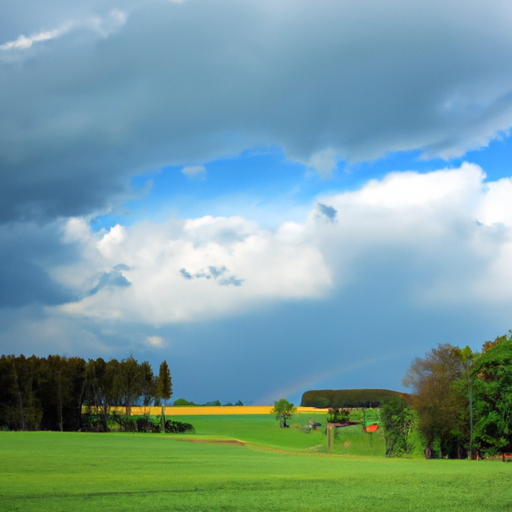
309	381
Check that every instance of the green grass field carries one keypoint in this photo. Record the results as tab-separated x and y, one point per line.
263	430
280	469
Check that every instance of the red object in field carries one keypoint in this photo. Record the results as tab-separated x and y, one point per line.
370	428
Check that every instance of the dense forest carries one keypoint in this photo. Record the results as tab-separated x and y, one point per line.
60	393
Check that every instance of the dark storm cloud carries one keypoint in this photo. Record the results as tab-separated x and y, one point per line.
26	251
22	282
181	83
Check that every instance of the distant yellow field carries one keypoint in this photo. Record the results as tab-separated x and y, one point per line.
205	410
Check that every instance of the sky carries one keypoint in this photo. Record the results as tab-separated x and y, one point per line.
271	196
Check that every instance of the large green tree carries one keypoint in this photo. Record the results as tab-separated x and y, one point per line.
493	395
440	404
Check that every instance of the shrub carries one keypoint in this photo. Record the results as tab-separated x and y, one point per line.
178	427
182	402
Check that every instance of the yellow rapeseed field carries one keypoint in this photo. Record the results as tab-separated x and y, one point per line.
207	409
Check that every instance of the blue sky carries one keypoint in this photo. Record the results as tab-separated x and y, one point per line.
272	196
267	187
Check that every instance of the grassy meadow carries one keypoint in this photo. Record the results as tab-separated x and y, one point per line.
263	431
268	469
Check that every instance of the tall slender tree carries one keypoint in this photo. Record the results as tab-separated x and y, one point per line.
164	389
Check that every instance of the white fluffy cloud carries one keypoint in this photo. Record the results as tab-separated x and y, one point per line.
447	230
190	270
446	234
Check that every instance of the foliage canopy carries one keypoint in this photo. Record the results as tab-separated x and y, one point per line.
283	411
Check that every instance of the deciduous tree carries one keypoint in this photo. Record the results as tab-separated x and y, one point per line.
283	411
440	405
130	382
493	395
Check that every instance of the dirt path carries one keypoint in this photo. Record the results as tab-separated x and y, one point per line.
210	441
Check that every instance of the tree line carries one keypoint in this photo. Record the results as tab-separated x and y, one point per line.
53	393
462	402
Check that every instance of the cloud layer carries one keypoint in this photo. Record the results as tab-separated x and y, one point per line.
115	89
445	235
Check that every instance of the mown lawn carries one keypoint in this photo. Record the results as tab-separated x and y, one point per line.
47	471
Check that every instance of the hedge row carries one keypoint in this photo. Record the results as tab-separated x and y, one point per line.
347	397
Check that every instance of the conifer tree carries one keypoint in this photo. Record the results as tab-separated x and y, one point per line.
164	382
164	388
